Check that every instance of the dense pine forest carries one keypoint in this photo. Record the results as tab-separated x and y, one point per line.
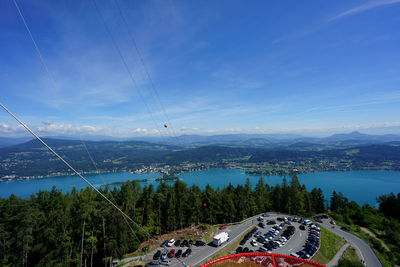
49	228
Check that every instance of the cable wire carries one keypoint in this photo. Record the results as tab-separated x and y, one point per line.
52	80
152	85
125	64
69	166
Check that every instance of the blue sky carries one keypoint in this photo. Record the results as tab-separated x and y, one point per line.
314	67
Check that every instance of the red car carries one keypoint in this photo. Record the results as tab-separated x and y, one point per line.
222	227
171	253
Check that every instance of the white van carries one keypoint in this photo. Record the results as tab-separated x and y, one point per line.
171	243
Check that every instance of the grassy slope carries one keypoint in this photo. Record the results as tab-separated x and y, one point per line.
330	245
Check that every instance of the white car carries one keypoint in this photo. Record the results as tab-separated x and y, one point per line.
171	243
165	262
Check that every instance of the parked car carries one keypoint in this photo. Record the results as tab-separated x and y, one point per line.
222	227
164	243
157	255
303	254
171	254
344	228
164	254
183	244
261	239
293	254
332	222
177	243
187	252
254	243
165	262
171	243
302	227
271	222
153	264
263	249
239	250
261	224
178	253
200	243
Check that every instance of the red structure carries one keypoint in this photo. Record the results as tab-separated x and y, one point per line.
258	259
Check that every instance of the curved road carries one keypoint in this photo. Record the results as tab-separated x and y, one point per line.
367	253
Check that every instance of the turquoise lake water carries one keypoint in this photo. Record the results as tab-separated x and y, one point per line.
360	186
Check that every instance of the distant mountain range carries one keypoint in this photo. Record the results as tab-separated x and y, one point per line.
291	141
10	141
32	159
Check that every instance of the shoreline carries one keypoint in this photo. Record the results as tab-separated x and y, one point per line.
247	172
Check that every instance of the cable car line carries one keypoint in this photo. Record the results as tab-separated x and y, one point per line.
126	65
152	85
69	166
82	141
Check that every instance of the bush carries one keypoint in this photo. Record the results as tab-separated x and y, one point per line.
202	227
146	248
348	263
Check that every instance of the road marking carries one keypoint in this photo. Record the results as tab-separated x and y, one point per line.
290	249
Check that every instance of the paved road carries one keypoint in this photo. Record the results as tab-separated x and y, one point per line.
368	255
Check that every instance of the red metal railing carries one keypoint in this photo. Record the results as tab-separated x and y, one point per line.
260	259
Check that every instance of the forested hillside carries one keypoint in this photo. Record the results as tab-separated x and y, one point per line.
46	230
32	159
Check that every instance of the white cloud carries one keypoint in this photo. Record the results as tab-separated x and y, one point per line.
7	130
364	7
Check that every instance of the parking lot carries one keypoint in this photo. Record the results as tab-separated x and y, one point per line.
295	242
281	235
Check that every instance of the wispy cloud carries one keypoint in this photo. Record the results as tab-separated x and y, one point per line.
313	28
13	130
363	8
366	100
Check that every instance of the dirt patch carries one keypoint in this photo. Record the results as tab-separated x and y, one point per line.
319	258
367	231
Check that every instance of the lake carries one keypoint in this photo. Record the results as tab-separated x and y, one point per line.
361	186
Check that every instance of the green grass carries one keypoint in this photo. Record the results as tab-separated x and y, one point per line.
351	255
350	259
330	245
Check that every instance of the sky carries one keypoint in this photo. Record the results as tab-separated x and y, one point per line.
203	67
